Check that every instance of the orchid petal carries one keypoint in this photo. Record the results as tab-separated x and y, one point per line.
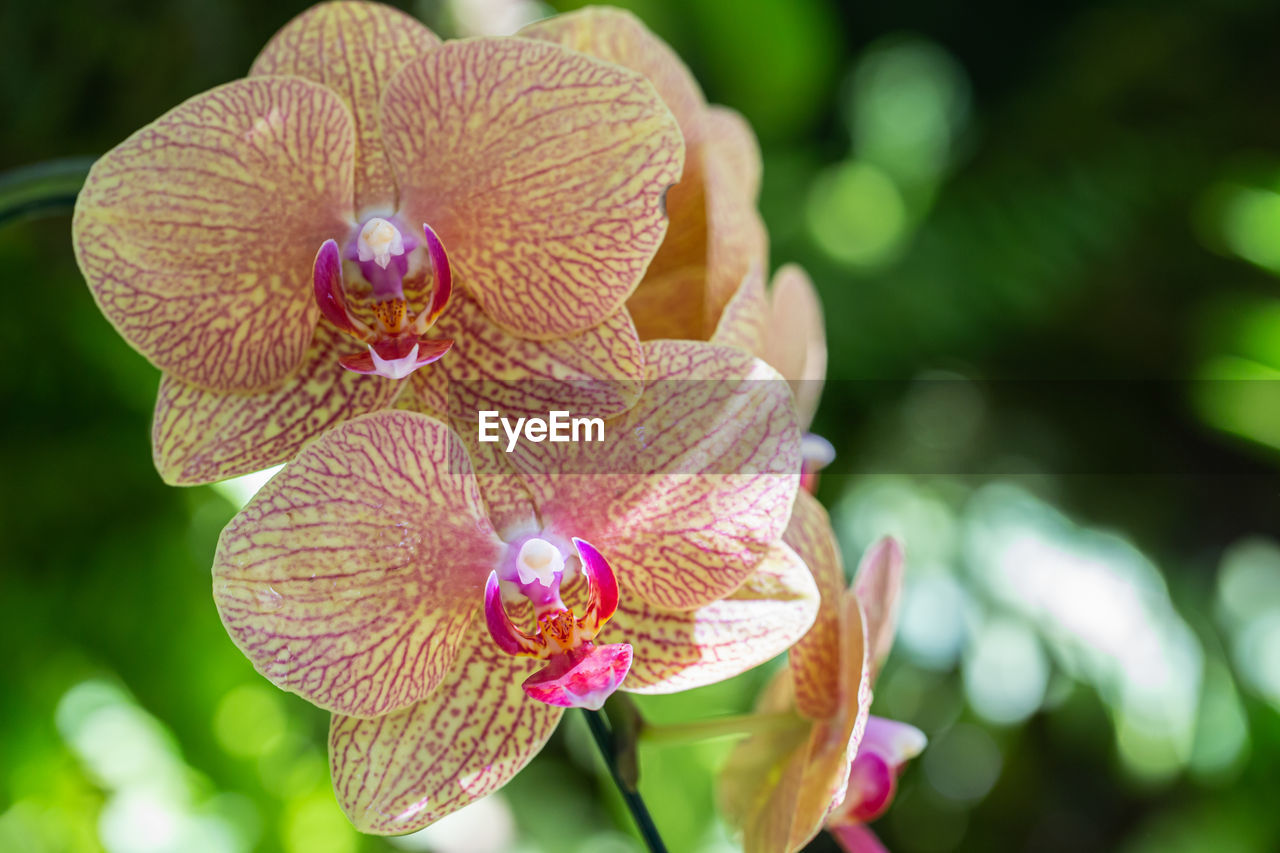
331	296
403	771
736	236
507	501
201	436
685	245
816	656
856	838
796	344
353	49
541	169
398	358
706	465
733	142
596	373
581	678
197	233
669	304
742	323
877	584
602	596
682	649
834	741
896	742
350	579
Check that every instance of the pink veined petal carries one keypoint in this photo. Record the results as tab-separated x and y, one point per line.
353	49
815	658
742	324
506	498
856	838
736	236
200	436
197	233
877	583
682	649
618	36
690	487
583	678
548	170
602	599
405	770
597	373
352	577
796	343
331	296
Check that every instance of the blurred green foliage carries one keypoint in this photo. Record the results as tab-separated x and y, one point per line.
992	198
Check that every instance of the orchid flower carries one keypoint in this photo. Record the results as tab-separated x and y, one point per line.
446	600
716	233
367	200
837	766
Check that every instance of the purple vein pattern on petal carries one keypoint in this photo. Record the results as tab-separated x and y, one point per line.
816	658
542	170
354	49
682	649
350	579
202	436
403	771
197	233
655	497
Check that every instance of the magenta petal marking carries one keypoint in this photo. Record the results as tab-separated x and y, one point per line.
871	787
602	597
326	278
582	677
443	273
509	638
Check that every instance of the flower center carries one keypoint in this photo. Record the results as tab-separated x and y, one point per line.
379	241
578	673
395	346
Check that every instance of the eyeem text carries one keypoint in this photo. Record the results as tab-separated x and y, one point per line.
556	426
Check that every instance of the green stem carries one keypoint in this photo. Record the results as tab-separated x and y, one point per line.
42	189
737	726
635	804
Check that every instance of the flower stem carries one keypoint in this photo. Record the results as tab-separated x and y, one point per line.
736	726
42	189
635	804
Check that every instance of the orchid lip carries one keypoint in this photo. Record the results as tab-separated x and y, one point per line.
578	673
394	344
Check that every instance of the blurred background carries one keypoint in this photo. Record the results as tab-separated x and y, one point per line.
1048	240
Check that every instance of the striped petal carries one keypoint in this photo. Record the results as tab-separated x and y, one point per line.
691	487
197	233
682	649
597	373
352	576
543	171
815	659
201	436
354	49
618	36
742	324
877	583
736	236
796	342
403	771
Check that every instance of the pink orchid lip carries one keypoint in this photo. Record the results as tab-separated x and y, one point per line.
578	673
816	453
395	346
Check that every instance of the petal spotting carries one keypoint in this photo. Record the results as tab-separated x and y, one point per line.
197	233
543	171
403	771
353	49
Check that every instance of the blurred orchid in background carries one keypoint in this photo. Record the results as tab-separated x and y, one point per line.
780	787
355	577
199	233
